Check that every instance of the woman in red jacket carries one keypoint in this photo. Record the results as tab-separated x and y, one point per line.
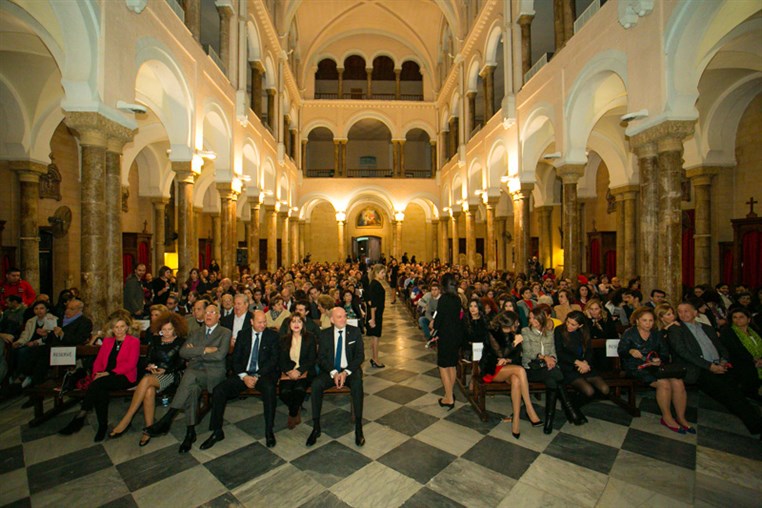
115	368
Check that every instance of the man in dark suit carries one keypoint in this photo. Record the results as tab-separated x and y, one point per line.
205	350
697	347
73	328
255	366
340	356
195	319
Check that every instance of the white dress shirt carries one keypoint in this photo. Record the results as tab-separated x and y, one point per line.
344	361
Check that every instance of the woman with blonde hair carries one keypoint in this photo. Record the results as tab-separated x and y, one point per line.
115	368
376	302
164	366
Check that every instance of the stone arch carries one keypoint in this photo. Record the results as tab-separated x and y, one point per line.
544	189
250	162
320	122
476	179
472	78
253	44
457	190
493	40
599	88
497	164
216	136
374	115
15	141
419	124
268	176
538	133
270	77
149	135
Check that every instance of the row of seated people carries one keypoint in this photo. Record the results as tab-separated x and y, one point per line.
727	366
261	360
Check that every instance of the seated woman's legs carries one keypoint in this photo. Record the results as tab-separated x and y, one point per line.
664	400
138	398
680	401
583	387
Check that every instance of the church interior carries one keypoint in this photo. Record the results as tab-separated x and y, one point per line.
617	137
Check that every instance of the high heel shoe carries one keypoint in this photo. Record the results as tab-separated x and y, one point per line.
376	365
144	439
678	429
116	435
448	406
516	435
538	423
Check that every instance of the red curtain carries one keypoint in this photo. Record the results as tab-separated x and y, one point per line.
143	253
751	273
727	267
689	249
595	255
610	260
128	265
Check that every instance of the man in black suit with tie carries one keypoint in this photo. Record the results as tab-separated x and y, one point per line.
340	356
255	365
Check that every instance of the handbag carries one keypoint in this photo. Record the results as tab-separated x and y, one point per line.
663	370
537	364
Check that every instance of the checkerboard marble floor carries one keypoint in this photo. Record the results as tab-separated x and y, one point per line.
417	454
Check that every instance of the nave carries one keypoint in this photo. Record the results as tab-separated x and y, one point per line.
417	453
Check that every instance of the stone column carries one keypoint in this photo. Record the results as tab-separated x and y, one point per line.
489	250
228	229
546	246
287	135
216	237
570	174
620	228
272	238
343	156
285	254
395	158
659	151
397	87
29	233
489	92
399	239
342	251
502	261
630	196
701	179
470	239
471	117
253	240
303	159
340	90
93	132
521	231
558	24
293	241
293	133
453	137
256	88
443	254
225	12
336	158
433	144
432	246
302	247
159	231
185	231
113	236
525	22
369	73
395	240
271	120
455	238
570	13
193	17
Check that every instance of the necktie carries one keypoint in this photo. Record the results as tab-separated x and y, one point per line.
339	348
208	333
254	355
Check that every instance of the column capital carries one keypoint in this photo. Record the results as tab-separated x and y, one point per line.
283	214
523	192
95	129
28	171
255	205
256	65
667	135
226	191
626	192
268	208
702	175
571	173
293	219
525	19
184	171
160	201
487	70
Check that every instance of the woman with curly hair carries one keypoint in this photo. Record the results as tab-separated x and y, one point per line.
164	366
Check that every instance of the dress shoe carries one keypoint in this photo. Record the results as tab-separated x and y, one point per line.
359	437
538	423
114	434
162	426
187	443
270	440
516	435
448	406
678	429
74	426
100	435
376	365
144	440
217	435
314	435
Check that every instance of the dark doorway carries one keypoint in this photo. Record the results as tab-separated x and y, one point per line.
366	247
46	262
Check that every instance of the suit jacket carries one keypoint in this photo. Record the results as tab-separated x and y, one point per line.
355	349
307	356
687	352
75	333
269	354
193	325
309	325
126	358
213	363
227	321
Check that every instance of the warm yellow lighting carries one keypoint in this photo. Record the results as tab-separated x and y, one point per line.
399	216
197	164
170	260
505	178
236	185
341	216
207	154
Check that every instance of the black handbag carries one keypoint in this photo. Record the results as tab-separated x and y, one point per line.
537	364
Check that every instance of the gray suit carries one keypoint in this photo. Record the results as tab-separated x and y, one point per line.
203	371
192	323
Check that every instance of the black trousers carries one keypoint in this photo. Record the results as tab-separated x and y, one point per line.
34	361
293	393
552	378
723	388
97	395
231	388
323	381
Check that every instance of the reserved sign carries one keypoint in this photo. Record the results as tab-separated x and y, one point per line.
611	348
63	355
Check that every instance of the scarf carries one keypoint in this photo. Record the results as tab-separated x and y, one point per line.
752	342
67	320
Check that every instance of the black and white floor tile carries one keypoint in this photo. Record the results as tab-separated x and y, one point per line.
417	454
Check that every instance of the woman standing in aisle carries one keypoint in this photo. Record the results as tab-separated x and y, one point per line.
376	301
451	330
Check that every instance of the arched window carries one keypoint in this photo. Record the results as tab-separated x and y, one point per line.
411	82
319	153
327	80
369	150
417	155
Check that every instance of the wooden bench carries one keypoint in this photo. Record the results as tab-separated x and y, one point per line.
476	389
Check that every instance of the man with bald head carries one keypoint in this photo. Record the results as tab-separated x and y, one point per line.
340	356
255	366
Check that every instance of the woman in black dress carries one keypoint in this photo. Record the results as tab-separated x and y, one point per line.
298	354
477	328
376	300
163	370
450	327
575	357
